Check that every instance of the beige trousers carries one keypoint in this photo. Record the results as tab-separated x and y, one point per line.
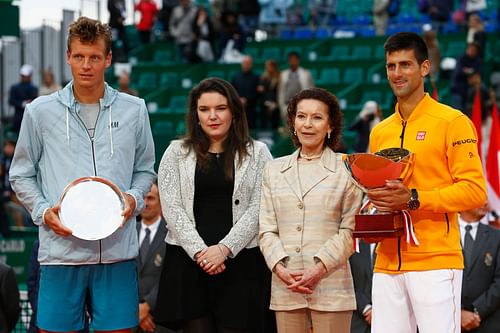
303	320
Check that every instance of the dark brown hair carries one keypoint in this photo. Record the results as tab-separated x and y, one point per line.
238	137
88	31
334	114
407	41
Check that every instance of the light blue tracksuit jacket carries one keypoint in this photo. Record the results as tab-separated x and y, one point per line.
54	149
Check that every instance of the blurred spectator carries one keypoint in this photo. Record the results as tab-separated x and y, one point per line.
117	15
249	11
430	38
380	16
481	282
204	36
231	30
438	11
21	94
48	83
164	14
124	84
246	83
9	299
324	10
269	82
368	117
148	11
292	80
274	12
13	206
475	84
181	29
474	7
467	63
476	33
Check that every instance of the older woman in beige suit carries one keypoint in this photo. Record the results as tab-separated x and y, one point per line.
306	220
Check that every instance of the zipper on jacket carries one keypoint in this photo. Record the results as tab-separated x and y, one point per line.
399	253
402	137
93	160
447	223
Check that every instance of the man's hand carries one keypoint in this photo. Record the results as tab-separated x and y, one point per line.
144	309
148	324
469	320
368	316
394	196
129	208
51	219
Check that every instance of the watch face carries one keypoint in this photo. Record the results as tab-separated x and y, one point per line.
413	204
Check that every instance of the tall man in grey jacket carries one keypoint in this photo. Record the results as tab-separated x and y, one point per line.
85	129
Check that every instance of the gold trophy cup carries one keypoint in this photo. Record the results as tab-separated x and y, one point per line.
370	171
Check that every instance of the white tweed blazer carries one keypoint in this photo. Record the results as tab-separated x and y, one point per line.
302	225
176	186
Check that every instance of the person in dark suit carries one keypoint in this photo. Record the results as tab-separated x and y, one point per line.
481	278
362	274
9	299
151	230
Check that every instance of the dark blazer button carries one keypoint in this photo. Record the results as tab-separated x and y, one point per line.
236	202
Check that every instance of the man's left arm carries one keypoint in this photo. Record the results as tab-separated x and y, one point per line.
468	190
143	174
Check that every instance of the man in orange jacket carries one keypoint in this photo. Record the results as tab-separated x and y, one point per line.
417	281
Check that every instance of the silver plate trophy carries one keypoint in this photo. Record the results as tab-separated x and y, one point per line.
370	171
92	208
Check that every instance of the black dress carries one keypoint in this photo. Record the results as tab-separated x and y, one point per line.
237	298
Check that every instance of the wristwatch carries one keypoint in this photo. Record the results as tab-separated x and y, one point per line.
413	203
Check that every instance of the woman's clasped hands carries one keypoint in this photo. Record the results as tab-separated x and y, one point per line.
301	281
212	258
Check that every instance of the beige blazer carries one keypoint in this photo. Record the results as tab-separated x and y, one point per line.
301	225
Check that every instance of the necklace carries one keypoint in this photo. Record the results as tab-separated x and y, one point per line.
309	157
217	153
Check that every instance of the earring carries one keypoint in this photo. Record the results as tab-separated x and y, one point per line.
328	135
295	132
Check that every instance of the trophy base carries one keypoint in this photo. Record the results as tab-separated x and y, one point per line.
388	225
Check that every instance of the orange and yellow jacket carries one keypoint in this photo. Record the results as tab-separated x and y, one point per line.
448	176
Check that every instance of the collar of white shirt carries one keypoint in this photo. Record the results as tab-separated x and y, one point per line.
152	227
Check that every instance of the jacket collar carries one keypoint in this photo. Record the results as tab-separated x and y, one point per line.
67	97
327	161
421	108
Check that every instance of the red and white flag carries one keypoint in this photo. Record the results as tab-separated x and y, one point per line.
492	162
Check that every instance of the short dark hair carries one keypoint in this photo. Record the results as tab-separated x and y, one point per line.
238	137
293	54
88	31
335	117
407	41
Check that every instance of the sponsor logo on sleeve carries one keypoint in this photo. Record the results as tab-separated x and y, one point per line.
464	141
